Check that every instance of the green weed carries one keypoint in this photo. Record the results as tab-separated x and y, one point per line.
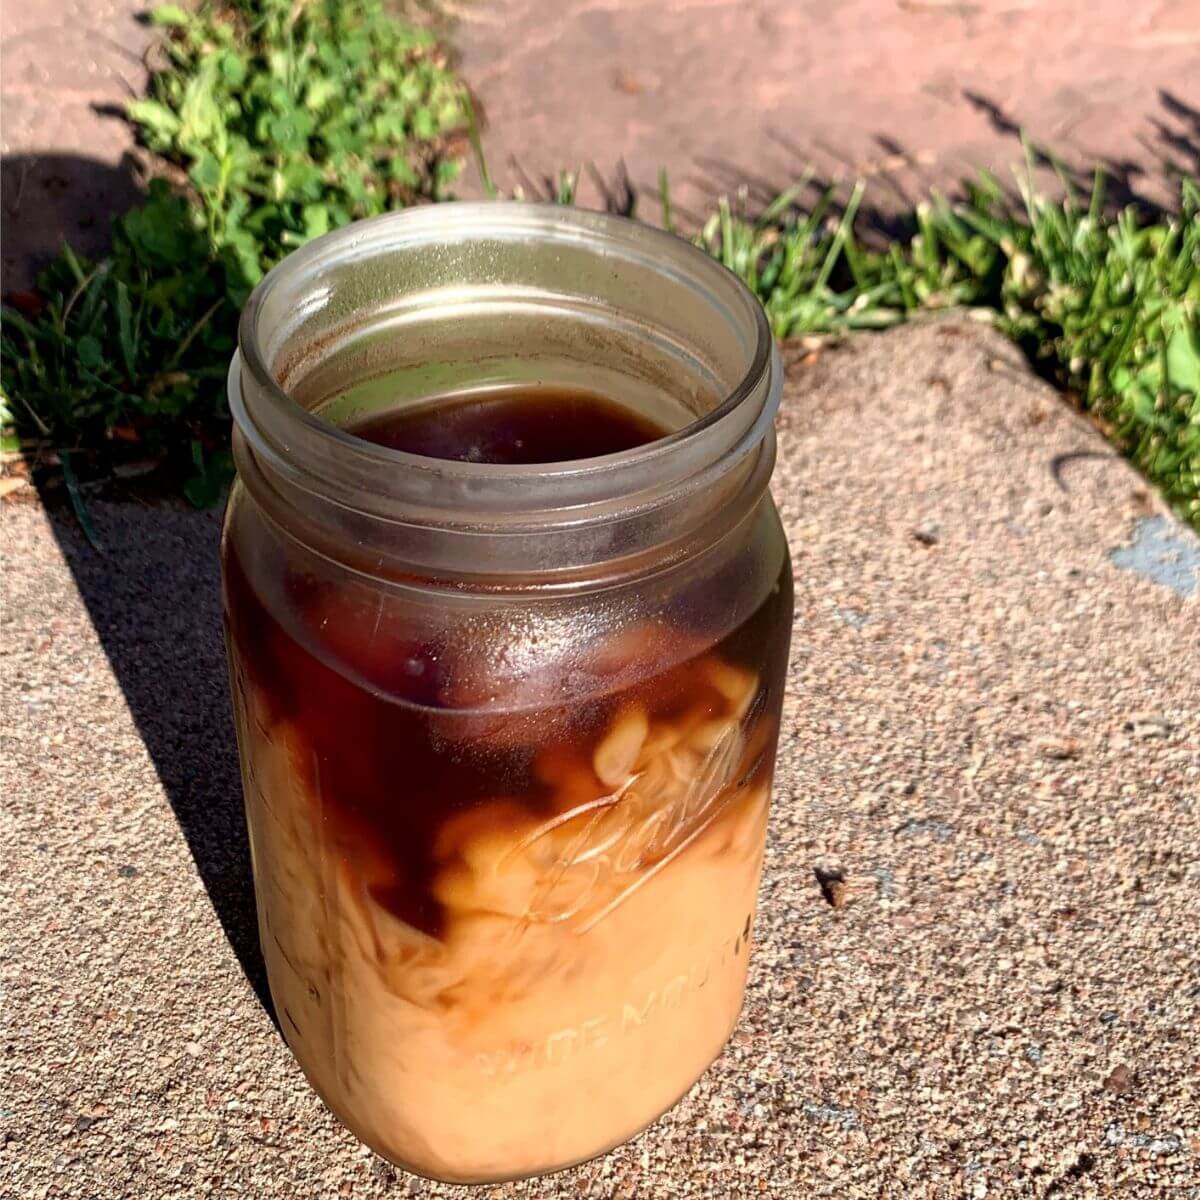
122	362
289	120
294	119
1107	305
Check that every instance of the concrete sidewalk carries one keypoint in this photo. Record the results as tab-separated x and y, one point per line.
992	733
906	93
69	164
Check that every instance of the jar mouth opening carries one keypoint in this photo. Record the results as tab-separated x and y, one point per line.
281	426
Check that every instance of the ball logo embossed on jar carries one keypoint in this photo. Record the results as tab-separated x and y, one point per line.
592	858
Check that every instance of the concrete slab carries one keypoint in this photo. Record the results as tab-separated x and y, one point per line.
69	164
912	93
992	734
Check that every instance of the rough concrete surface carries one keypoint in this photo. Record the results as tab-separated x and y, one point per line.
68	162
992	733
910	92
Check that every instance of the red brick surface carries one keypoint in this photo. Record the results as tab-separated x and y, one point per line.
765	87
717	91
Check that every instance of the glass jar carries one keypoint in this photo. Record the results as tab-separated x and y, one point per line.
507	732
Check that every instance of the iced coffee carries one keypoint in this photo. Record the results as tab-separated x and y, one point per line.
506	846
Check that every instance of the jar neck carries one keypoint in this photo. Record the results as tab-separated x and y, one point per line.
451	297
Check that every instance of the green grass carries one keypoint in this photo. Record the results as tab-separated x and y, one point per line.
1107	305
291	119
294	118
121	363
282	121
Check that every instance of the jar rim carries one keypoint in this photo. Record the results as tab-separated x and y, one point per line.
615	282
474	219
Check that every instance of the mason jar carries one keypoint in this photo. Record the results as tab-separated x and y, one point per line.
507	731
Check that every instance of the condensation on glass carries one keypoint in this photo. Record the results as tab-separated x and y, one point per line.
507	731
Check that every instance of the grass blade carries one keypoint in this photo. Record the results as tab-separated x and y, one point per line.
77	503
839	238
664	198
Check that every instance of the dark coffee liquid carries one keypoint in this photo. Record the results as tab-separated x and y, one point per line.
513	426
406	720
